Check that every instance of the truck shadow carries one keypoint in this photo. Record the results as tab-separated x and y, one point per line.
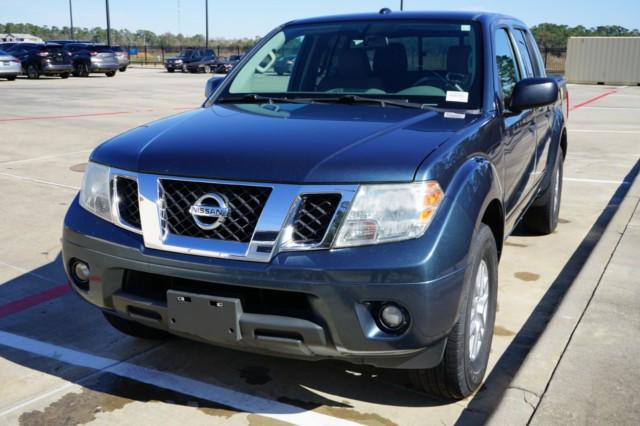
69	323
499	379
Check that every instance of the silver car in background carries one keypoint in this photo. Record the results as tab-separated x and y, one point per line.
123	57
10	66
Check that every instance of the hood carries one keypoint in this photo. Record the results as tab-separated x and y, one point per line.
285	143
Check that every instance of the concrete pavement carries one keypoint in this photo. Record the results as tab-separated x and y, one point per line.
61	363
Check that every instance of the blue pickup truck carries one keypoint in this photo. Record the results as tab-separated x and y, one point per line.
354	208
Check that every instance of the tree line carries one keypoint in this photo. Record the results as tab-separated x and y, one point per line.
548	35
125	37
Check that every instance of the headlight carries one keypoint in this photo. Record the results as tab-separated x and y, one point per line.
390	212
95	193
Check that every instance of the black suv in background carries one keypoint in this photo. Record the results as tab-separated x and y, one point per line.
42	59
207	64
92	58
187	56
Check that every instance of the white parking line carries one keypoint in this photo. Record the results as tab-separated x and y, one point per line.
227	397
44	182
604	131
613	182
44	157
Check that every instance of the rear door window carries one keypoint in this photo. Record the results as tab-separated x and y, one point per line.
536	58
521	42
507	66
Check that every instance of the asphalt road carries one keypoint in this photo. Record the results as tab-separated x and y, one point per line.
60	363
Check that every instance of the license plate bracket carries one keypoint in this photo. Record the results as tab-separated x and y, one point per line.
209	317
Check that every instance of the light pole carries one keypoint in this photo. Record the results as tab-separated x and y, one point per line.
71	19
108	25
206	14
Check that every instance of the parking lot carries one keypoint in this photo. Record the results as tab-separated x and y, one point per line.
61	363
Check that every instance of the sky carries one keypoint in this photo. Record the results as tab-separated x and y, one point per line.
250	18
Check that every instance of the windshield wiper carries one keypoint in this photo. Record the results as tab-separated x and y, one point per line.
251	98
355	99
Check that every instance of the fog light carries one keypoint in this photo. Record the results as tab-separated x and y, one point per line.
393	317
81	271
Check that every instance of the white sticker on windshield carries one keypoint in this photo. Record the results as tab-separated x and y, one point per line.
457	96
465	27
456	115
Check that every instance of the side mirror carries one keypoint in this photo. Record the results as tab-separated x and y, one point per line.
212	85
533	93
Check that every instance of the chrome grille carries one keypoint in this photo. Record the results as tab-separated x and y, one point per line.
245	204
314	217
128	206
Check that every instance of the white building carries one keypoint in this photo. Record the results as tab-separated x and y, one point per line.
19	38
604	60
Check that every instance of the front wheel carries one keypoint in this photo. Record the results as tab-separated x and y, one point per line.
134	329
465	359
12	77
110	73
542	216
123	69
64	75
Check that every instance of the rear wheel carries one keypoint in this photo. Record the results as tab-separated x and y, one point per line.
542	217
32	72
170	70
64	75
123	69
82	70
465	359
12	77
110	73
134	329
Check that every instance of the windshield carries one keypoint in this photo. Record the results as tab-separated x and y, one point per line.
434	63
185	53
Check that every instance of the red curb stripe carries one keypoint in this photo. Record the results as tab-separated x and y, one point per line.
55	117
35	299
595	98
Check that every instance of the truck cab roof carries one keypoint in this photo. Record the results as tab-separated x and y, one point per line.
483	17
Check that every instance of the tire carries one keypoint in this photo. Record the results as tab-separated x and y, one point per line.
170	70
122	69
12	77
32	72
82	70
542	217
64	75
465	359
110	73
134	329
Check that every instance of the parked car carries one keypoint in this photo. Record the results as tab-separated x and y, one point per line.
7	45
284	64
227	64
42	59
206	64
185	57
354	210
65	42
123	57
92	58
10	66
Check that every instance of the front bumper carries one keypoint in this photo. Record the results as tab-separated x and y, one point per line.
337	285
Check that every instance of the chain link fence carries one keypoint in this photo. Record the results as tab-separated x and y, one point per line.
554	59
156	55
